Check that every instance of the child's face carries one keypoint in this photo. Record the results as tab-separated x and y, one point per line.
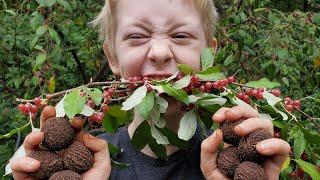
154	35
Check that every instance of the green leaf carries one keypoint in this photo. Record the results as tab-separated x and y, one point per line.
10	11
162	103
158	136
309	168
113	150
154	115
228	60
135	98
211	70
158	149
211	77
51	2
185	69
187	125
271	99
95	94
87	111
65	4
299	145
52	85
207	58
40	60
179	94
110	123
34	42
42	2
53	33
116	111
312	138
146	105
36	21
174	139
41	30
215	101
263	83
74	103
14	131
182	83
286	164
141	135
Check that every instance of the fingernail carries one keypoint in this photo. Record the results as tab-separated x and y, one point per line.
33	163
216	117
263	146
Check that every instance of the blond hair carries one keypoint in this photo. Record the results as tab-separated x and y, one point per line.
106	21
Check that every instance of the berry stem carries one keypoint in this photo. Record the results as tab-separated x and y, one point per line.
31	123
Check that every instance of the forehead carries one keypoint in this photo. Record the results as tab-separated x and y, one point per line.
163	12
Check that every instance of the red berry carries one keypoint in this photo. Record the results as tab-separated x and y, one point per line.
288	100
37	101
276	92
99	117
259	96
202	88
289	107
149	88
240	95
246	98
135	79
111	91
21	107
215	85
92	118
300	173
105	94
130	79
297	104
145	78
261	89
208	86
277	134
231	79
139	78
224	82
249	92
131	86
255	92
304	156
33	116
194	79
104	108
91	103
27	108
33	108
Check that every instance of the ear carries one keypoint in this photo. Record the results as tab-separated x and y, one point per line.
113	63
214	45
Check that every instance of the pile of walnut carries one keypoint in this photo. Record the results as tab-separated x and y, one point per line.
242	161
60	155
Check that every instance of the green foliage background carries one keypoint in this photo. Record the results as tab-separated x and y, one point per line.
47	46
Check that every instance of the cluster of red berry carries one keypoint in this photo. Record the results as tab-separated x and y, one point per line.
30	108
291	104
206	86
245	96
98	116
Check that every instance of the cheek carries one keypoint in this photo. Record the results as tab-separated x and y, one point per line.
130	60
189	56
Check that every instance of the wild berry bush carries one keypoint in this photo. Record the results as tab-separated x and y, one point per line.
47	46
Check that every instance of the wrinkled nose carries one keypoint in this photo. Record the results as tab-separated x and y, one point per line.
160	52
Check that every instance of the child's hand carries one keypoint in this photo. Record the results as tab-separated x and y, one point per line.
276	149
100	170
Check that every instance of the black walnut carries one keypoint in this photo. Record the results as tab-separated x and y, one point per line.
229	136
250	171
58	134
247	145
228	160
66	175
50	163
77	157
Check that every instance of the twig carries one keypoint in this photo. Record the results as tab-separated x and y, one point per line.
242	85
313	119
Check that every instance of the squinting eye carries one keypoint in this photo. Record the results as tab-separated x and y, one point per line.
180	36
137	36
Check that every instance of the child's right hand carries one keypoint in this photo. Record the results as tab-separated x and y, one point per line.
102	165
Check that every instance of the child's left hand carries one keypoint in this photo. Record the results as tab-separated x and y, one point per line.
276	149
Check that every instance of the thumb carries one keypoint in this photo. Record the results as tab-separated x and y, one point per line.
209	153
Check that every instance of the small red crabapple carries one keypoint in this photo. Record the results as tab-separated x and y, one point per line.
202	88
33	108
21	107
37	101
104	108
249	92
289	107
231	79
276	92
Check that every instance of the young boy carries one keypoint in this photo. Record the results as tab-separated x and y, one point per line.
148	38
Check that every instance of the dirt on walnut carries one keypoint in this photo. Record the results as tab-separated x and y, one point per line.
50	163
228	160
77	157
66	175
250	171
247	145
229	136
58	134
